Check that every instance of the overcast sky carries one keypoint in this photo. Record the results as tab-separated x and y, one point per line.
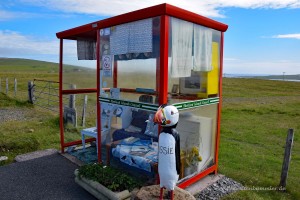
263	35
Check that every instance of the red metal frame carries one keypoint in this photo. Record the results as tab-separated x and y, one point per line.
163	64
115	74
65	92
220	103
80	91
91	31
77	142
98	103
154	11
61	122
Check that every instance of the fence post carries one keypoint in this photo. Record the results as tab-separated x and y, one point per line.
0	84
72	98
287	158
15	86
84	110
30	92
6	86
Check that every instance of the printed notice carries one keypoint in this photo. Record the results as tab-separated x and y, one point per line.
107	61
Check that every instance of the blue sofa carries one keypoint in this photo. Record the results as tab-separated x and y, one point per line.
136	129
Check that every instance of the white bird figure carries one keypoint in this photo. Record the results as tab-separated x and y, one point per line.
168	148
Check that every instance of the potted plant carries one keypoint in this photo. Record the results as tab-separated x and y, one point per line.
191	158
105	182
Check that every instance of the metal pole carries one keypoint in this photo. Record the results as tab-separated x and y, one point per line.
61	122
99	151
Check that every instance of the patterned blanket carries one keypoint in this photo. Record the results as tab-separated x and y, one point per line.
136	152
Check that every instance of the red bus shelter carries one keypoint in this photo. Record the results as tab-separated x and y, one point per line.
146	58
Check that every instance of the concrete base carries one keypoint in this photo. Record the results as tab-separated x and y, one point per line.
153	192
203	183
35	154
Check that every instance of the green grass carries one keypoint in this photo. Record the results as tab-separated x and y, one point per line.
253	133
38	130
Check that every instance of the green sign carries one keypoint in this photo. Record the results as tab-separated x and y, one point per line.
144	106
152	107
195	104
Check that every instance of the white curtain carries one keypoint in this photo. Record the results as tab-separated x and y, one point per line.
86	50
181	56
202	48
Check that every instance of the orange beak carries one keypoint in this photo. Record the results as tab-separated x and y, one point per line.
159	118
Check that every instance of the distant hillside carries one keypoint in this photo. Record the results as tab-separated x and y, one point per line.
20	64
280	77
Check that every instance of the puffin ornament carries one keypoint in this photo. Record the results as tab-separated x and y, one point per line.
168	148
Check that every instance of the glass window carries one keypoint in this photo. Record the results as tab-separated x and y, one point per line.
197	128
194	53
193	87
130	55
79	64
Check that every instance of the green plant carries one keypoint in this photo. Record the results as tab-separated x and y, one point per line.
111	178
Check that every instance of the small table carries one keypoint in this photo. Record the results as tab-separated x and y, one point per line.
92	132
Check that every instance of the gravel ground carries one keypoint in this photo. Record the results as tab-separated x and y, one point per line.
222	187
12	114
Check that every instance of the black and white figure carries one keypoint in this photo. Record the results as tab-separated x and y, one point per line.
169	148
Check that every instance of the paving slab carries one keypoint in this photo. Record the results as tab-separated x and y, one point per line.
47	177
35	154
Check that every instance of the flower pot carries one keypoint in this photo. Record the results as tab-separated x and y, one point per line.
98	190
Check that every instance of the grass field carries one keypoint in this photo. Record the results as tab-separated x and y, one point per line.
256	116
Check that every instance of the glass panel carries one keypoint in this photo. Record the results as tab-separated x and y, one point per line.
129	54
194	61
193	87
129	57
197	128
77	72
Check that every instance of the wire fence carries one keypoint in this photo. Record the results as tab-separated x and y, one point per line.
11	87
45	94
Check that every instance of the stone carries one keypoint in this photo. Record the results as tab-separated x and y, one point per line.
222	187
152	192
3	158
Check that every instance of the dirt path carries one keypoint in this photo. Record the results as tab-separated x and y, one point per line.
13	114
